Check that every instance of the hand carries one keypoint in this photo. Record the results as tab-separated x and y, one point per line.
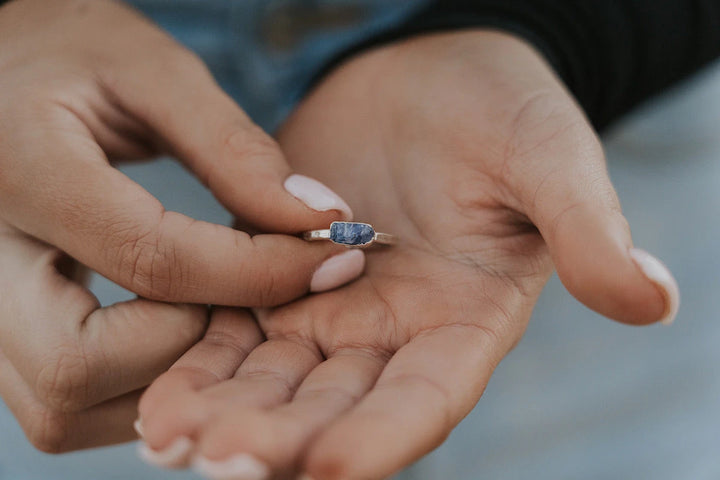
84	83
467	147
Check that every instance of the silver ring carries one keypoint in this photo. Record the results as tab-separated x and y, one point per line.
351	234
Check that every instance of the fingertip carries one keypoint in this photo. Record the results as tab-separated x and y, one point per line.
338	457
660	276
615	288
241	466
338	270
317	195
138	427
326	464
153	397
591	249
175	455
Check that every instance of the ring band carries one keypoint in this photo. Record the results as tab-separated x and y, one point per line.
351	234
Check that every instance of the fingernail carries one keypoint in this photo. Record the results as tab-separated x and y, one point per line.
137	425
659	274
175	455
338	270
316	195
239	467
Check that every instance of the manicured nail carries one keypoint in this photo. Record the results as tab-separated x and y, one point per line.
137	425
239	467
316	195
338	270
659	274
175	455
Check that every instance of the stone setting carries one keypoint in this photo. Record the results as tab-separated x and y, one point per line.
351	233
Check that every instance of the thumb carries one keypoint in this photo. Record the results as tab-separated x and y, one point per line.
577	211
240	163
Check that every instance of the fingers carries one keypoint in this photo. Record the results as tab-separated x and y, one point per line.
423	393
73	353
571	200
139	338
231	335
54	431
172	405
241	164
128	237
267	377
277	438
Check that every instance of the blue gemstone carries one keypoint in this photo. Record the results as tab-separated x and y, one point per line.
350	233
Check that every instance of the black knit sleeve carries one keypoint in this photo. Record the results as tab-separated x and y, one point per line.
612	54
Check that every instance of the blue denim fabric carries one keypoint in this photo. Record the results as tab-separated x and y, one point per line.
267	81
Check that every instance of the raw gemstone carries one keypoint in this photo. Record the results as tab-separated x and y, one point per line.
351	233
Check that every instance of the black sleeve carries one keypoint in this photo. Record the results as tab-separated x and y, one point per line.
612	54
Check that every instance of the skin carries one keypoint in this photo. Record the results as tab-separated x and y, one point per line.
467	147
85	84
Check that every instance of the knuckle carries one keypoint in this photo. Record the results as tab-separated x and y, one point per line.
192	322
63	383
270	285
227	342
274	289
175	60
265	291
49	431
147	264
246	146
248	142
185	61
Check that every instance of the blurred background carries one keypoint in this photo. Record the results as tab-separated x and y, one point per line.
581	396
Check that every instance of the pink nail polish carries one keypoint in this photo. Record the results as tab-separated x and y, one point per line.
659	274
238	467
338	270
316	195
137	425
175	455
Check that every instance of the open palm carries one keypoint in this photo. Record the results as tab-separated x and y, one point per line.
468	149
